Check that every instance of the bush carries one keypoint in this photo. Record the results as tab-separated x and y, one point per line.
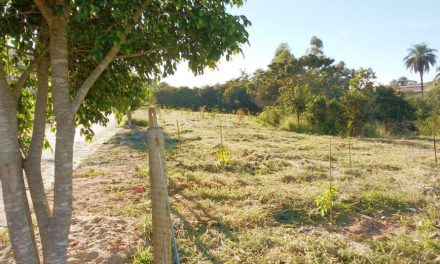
271	115
327	115
371	130
395	112
137	122
304	127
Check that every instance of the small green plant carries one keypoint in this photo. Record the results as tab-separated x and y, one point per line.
223	155
143	257
142	171
119	194
4	236
324	202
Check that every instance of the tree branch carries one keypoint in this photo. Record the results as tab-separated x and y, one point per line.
19	85
18	50
45	10
109	57
3	81
139	54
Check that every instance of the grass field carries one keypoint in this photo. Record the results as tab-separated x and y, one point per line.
260	207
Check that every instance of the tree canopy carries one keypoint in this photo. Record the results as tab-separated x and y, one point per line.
91	58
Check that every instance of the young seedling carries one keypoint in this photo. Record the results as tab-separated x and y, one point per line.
223	155
222	152
324	202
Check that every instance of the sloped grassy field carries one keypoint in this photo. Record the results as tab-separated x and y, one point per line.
260	206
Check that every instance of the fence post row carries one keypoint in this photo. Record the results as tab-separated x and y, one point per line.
161	218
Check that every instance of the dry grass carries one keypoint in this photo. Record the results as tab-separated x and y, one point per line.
259	208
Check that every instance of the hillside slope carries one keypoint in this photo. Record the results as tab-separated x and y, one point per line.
260	206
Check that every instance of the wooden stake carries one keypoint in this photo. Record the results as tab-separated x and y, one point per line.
330	161
331	181
178	131
435	149
221	134
349	149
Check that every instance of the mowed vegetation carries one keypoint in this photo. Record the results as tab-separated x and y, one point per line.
258	205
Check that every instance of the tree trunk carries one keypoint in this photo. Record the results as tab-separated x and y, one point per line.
129	119
59	224
32	164
62	207
421	81
297	118
14	196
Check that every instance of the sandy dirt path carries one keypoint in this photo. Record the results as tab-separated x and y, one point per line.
82	150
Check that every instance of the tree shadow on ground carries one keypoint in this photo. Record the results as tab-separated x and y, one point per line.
205	221
372	204
136	138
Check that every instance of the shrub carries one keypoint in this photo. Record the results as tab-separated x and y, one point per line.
304	127
375	130
327	115
271	115
137	122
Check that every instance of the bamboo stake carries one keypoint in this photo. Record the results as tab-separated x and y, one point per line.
435	149
331	181
221	134
178	131
349	149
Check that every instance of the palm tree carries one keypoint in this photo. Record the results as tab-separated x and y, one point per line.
438	73
419	59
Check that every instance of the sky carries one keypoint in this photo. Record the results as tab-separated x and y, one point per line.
362	33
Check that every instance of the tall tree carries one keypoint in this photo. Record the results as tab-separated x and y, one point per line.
85	40
316	46
353	104
419	60
363	79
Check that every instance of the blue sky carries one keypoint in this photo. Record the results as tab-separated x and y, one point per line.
368	33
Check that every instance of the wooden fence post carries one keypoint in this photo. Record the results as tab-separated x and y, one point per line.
152	117
161	219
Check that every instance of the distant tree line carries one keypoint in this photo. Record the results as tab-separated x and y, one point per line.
228	97
312	93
